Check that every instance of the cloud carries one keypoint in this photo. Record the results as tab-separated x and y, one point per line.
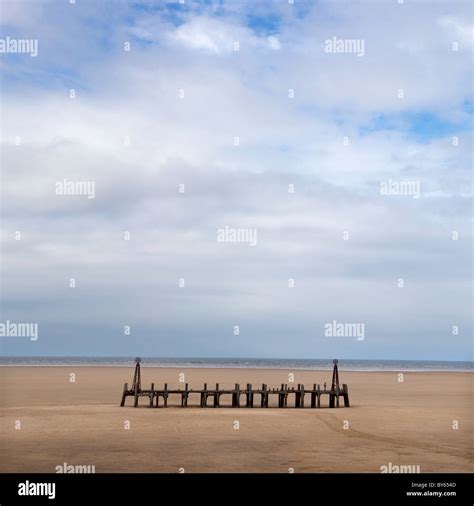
459	30
213	36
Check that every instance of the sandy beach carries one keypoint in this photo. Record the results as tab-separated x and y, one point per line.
46	420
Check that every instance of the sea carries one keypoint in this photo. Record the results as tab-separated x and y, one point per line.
245	363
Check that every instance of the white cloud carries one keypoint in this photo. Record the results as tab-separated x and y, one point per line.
219	37
461	32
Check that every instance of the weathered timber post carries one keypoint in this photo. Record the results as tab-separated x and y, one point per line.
184	396
346	396
335	376
301	399
151	395
331	400
297	396
237	388
135	403
249	396
204	396
165	396
234	396
124	395
319	396
280	397
216	396
264	399
334	395
313	396
137	382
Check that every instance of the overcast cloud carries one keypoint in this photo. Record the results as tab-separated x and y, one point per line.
331	126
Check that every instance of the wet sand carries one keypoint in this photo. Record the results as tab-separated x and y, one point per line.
407	423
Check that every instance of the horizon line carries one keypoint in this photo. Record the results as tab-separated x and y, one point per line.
132	357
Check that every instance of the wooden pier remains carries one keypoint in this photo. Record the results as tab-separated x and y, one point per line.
240	397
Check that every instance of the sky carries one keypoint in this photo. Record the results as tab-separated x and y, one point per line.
191	117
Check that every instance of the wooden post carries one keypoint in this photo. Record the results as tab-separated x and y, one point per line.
346	396
249	396
216	396
301	399
165	396
152	393
331	399
184	396
319	396
204	396
263	400
135	404
313	396
237	388
137	381
335	376
124	395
